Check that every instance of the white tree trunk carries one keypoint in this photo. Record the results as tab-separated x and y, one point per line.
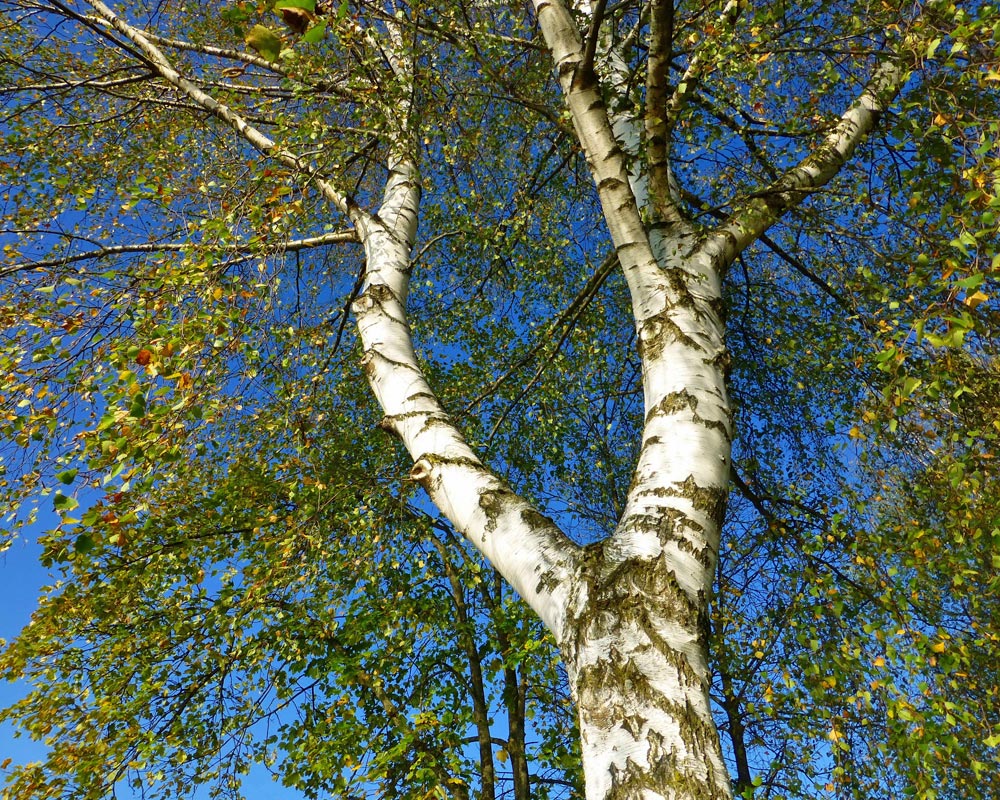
636	657
635	641
630	612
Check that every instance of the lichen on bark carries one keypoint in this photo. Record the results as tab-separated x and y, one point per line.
636	649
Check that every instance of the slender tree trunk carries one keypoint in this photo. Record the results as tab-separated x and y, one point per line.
514	697
737	733
465	629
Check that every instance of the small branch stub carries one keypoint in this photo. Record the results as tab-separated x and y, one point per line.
388	425
362	304
421	472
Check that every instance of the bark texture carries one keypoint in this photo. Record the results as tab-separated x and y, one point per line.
637	663
629	613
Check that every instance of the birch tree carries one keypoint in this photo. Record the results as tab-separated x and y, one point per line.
667	157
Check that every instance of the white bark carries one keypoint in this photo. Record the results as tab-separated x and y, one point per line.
638	649
528	549
636	643
630	612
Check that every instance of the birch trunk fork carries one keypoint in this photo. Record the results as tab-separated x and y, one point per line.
630	612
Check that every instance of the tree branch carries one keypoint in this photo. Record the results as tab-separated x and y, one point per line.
567	318
696	67
593	34
794	262
749	221
657	125
604	154
173	247
153	56
526	547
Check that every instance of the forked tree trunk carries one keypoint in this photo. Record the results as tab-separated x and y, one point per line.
629	613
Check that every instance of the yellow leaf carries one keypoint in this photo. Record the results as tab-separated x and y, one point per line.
940	119
975	299
938	647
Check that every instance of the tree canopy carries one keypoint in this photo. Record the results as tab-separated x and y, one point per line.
389	365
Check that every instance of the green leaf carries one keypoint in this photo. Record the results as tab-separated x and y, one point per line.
910	385
315	33
62	502
972	282
265	41
106	421
138	407
295	552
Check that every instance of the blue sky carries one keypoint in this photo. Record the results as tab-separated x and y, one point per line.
21	579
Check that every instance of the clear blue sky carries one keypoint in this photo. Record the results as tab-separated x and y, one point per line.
21	577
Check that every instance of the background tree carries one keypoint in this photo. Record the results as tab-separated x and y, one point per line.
196	201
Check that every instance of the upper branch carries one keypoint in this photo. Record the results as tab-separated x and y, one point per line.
331	87
749	220
697	66
527	548
664	108
217	52
161	64
661	32
604	154
592	36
